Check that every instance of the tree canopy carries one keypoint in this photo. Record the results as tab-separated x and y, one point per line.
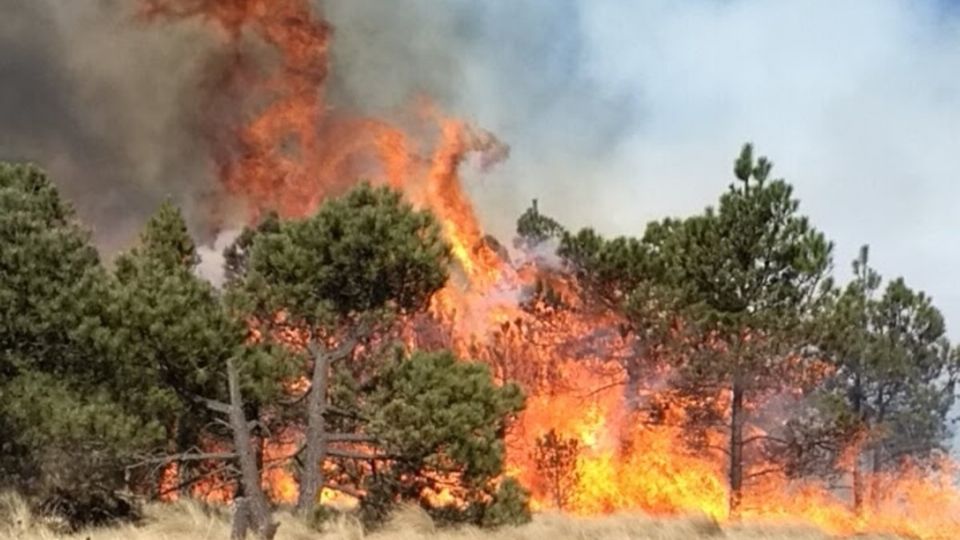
140	375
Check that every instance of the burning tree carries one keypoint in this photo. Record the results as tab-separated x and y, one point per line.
713	304
377	427
556	461
337	275
748	274
194	362
894	379
625	277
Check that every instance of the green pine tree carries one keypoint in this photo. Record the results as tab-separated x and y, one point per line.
172	337
749	273
442	422
534	228
359	261
63	426
894	377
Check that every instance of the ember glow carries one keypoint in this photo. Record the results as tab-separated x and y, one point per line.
279	145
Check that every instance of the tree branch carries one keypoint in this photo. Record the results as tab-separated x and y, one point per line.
184	457
720	448
343	412
603	388
197	479
214	405
349	437
347	454
764	472
345	490
755	438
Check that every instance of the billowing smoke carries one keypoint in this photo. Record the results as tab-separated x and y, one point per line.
616	112
104	105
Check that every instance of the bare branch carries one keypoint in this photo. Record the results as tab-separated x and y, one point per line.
719	448
184	457
349	437
227	468
764	472
343	412
346	454
297	400
214	405
603	388
345	490
755	438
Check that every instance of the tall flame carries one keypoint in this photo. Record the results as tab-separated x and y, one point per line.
279	145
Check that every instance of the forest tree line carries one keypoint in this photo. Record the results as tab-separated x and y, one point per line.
741	304
109	373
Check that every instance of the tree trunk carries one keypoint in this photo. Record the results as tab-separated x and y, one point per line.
187	440
241	518
635	375
311	480
252	509
877	449
857	399
857	485
875	491
736	447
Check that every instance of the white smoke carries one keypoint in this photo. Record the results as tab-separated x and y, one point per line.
211	265
619	113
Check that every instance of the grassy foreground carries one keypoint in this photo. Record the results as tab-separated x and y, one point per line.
192	521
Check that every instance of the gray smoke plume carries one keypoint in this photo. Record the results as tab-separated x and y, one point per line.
616	112
102	103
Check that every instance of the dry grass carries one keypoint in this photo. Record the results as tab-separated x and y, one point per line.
193	521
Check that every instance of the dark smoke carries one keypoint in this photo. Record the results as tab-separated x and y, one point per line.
102	103
112	106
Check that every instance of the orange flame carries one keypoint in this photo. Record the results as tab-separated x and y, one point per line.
279	145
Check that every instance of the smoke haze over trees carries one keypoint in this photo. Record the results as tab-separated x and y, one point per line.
138	361
574	89
175	333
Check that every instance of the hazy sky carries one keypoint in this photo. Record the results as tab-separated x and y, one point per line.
622	112
617	111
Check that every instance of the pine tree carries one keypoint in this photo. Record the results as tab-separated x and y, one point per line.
534	228
627	276
894	377
64	427
358	261
441	421
556	462
184	356
237	254
748	273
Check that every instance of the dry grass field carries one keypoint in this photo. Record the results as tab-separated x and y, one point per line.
192	521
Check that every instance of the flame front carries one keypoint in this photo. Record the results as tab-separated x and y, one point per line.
279	145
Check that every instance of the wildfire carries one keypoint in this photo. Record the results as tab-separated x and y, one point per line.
279	145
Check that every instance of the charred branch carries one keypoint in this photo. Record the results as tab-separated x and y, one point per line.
349	454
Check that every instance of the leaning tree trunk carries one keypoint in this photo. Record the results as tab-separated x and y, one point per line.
316	445
252	511
736	447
